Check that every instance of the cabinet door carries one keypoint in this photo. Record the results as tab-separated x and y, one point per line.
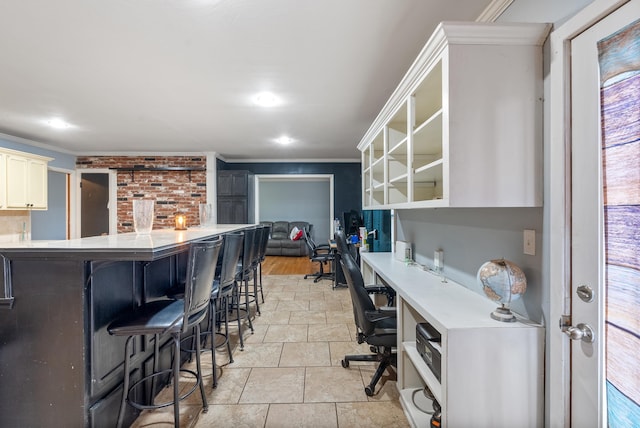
225	184
239	184
232	211
37	183
17	167
3	181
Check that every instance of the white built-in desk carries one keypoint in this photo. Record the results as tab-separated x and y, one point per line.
492	372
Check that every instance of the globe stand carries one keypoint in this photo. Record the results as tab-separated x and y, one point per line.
504	314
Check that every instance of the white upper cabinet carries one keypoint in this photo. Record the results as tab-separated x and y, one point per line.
3	181
464	126
24	181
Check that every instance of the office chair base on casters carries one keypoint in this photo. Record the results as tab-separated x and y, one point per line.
319	276
386	360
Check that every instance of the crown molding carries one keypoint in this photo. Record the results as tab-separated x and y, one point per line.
494	10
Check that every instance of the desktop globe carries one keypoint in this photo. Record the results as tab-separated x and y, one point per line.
504	282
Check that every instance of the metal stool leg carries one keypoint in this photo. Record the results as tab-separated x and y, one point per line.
125	384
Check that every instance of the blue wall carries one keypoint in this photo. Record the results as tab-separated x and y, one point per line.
297	201
471	236
60	160
347	181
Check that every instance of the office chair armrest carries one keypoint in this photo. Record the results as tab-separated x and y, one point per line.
382	313
380	289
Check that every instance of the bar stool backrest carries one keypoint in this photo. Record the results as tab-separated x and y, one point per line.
247	252
266	232
201	269
255	249
233	243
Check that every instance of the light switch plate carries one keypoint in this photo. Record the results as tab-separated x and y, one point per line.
530	242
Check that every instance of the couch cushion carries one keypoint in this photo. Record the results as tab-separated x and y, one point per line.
280	230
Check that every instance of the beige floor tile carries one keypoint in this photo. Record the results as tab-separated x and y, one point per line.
231	382
269	305
310	295
325	305
340	316
293	305
308	317
274	385
259	330
258	355
340	349
347	306
365	415
275	317
307	415
240	416
281	295
161	418
329	332
283	377
286	333
305	354
386	389
333	384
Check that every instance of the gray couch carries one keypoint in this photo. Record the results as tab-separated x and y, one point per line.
279	242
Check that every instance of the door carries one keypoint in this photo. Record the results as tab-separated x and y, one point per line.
605	221
94	193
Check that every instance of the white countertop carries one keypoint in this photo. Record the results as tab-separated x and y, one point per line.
447	305
155	240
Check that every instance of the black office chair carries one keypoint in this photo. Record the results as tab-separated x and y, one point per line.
322	254
171	317
378	289
376	326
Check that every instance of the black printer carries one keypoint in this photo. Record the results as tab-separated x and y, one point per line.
426	336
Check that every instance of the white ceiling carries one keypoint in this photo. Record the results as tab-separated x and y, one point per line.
179	75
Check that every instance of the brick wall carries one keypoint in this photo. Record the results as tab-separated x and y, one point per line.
173	191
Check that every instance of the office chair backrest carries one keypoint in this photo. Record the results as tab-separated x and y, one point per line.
233	243
201	269
359	296
310	244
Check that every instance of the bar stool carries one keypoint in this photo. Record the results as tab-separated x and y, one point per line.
244	271
262	254
171	317
224	288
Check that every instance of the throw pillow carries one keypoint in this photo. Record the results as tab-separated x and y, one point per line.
293	233
298	235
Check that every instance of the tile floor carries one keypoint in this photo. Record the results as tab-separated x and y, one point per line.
289	374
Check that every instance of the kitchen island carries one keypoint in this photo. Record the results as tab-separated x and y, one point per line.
59	367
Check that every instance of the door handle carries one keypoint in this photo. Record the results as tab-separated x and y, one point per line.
582	332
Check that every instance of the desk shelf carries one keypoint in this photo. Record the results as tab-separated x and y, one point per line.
492	373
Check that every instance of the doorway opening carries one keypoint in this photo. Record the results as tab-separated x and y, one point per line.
297	197
97	214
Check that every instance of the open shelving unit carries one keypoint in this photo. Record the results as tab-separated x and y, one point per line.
462	129
491	372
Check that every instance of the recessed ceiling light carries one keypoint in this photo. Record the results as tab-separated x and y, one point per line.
58	123
266	99
284	140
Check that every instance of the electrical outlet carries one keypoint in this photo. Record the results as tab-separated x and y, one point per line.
530	242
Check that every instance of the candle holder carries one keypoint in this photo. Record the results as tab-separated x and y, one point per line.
181	222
